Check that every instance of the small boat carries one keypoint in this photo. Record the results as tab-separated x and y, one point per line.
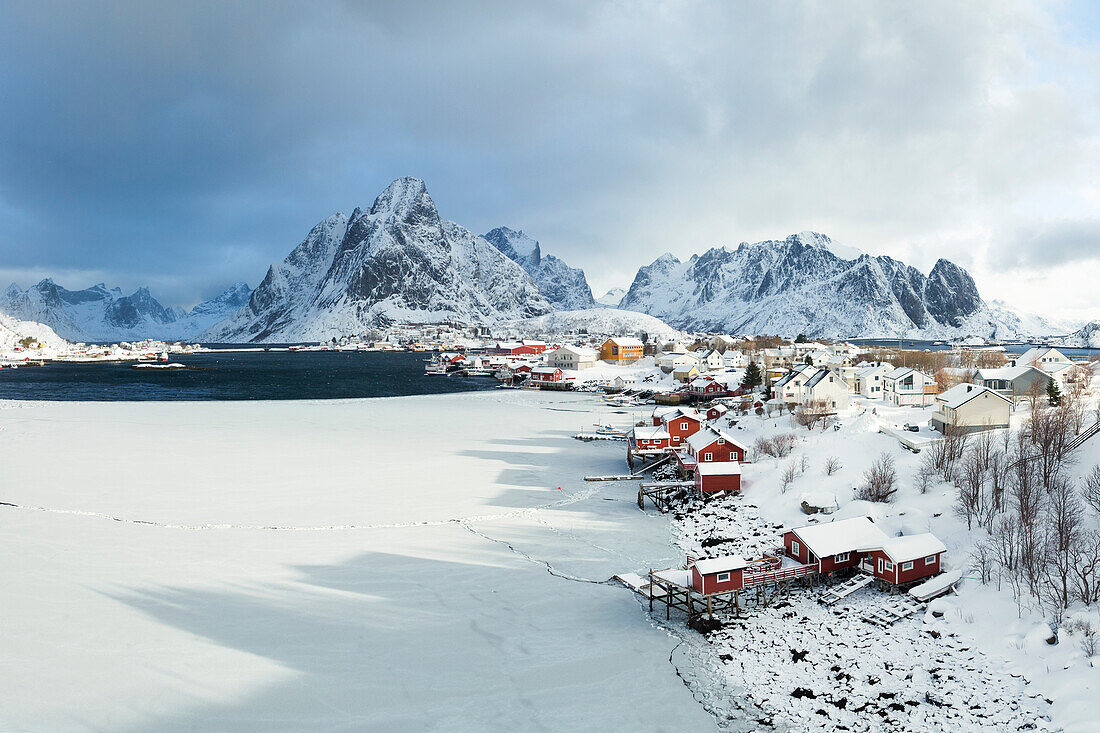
164	356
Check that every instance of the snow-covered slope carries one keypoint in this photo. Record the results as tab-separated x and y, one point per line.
800	285
101	314
598	321
397	262
565	287
612	297
13	330
1086	337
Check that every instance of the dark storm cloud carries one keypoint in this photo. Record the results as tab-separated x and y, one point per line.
1051	244
190	144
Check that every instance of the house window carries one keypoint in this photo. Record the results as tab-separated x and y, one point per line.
708	456
907	565
723	577
880	564
721	441
683	426
794	548
888	565
841	557
930	560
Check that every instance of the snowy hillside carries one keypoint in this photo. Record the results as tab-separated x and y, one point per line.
397	262
800	285
612	297
1086	337
565	287
12	331
101	314
598	321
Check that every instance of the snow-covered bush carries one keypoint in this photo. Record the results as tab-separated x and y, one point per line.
880	481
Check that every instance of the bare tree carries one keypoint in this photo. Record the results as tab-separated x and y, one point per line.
1091	490
1086	568
880	480
1050	430
811	412
945	454
1064	532
788	477
832	465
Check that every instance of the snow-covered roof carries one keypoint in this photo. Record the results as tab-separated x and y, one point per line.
578	350
898	373
678	577
1007	373
960	394
912	547
718	468
706	436
545	370
720	564
842	535
626	341
650	432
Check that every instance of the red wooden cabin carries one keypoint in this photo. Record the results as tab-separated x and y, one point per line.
713	477
718	574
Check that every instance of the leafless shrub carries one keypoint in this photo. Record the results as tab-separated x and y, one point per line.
803	464
811	412
1091	491
832	465
778	446
788	477
880	480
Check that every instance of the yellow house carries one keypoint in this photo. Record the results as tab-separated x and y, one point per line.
685	373
620	350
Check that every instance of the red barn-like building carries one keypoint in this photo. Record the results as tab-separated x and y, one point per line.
714	477
546	374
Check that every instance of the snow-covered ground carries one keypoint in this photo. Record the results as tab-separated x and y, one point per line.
978	663
384	564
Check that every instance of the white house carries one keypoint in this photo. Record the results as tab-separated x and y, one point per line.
1041	356
867	380
734	359
673	361
712	361
905	386
805	383
971	408
572	357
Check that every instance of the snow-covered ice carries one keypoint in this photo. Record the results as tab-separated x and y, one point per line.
384	564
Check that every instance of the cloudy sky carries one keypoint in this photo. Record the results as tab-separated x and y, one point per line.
187	145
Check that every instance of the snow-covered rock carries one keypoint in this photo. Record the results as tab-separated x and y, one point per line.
397	262
1086	337
101	314
801	285
565	287
612	297
598	321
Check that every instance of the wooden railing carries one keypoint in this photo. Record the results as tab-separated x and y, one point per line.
772	576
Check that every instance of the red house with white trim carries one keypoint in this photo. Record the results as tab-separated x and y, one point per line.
546	375
848	543
718	574
716	411
712	446
681	425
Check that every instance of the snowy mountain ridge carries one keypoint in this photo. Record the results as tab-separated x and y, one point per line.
801	285
397	262
565	287
101	314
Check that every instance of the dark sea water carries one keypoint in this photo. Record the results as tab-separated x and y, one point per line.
275	375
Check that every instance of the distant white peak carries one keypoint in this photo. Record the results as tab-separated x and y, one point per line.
404	198
612	297
522	244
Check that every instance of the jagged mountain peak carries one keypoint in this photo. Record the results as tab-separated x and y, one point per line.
405	199
565	287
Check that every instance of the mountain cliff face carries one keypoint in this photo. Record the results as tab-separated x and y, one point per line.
397	262
101	314
565	287
800	285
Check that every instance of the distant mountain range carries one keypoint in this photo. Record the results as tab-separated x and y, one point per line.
801	285
400	262
98	314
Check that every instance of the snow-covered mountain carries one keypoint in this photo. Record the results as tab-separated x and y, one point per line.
565	287
612	297
1086	337
597	322
13	330
800	285
101	314
397	262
